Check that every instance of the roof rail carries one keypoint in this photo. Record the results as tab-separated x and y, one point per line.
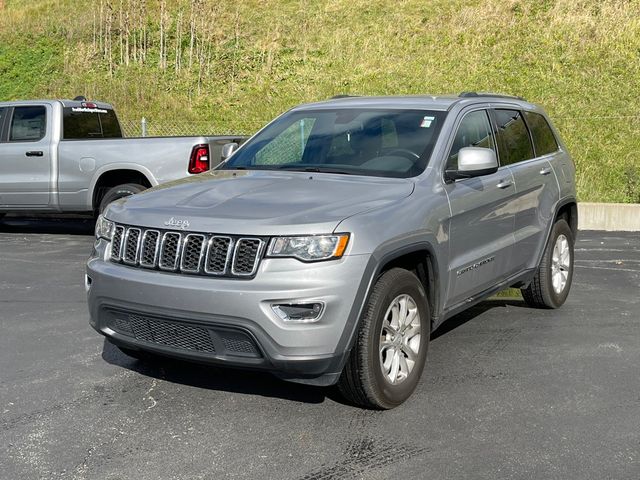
343	96
488	94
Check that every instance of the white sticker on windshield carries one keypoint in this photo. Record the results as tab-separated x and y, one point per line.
426	122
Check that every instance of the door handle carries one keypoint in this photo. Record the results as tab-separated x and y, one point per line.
35	153
545	171
504	184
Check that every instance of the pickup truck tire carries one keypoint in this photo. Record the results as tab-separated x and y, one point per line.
552	281
387	359
119	191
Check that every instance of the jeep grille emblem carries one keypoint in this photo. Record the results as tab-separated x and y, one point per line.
181	224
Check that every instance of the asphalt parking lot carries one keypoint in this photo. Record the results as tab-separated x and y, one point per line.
508	392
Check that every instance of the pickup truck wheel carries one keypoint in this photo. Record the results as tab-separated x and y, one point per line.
386	362
552	282
119	191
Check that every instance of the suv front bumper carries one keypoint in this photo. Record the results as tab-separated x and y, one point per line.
230	321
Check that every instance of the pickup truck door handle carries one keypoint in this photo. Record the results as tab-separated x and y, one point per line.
545	171
504	183
35	153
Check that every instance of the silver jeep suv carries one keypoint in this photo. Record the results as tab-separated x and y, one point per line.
329	246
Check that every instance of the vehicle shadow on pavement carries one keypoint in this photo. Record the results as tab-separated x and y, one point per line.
475	311
48	224
262	383
216	378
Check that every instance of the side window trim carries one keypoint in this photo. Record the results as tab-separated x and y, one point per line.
9	125
454	132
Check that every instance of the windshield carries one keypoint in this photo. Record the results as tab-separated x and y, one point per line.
387	143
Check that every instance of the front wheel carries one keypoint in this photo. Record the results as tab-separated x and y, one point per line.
386	362
552	282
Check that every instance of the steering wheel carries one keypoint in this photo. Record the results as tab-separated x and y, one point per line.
401	152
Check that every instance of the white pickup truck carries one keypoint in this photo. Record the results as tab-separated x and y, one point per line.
70	156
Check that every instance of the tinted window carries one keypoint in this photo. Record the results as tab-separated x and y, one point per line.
28	124
474	131
83	123
514	144
359	141
543	138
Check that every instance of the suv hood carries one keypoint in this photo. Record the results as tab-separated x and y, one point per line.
258	202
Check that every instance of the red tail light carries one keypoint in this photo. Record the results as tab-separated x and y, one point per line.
199	161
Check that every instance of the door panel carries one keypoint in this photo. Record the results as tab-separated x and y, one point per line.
482	216
537	195
481	237
25	161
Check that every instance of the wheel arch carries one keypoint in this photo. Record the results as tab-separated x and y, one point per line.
113	176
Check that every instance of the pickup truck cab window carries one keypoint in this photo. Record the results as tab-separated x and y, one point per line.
544	140
28	124
383	143
514	143
83	123
474	131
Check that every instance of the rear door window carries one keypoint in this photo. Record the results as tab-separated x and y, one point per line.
86	123
28	124
544	140
514	144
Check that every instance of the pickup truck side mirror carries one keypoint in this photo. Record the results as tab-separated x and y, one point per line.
474	162
228	149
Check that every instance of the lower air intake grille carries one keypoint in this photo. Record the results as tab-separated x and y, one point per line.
176	335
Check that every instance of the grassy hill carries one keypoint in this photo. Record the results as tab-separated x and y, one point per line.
236	64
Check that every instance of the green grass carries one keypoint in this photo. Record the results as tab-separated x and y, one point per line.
580	59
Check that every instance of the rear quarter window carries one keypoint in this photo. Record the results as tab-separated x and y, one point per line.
544	140
81	124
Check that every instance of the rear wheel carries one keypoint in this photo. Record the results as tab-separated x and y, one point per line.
386	362
119	191
552	282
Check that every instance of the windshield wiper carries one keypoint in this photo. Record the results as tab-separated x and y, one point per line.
298	168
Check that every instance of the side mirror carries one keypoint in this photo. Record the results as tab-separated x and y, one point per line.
228	149
474	162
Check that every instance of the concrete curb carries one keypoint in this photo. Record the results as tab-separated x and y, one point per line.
610	217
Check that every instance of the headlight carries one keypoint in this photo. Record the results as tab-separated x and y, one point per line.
309	248
104	228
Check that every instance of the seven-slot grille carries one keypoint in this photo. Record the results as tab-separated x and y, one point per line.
195	253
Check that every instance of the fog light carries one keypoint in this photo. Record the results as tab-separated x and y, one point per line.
298	312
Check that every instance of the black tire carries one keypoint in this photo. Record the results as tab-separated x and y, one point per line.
541	293
362	381
119	191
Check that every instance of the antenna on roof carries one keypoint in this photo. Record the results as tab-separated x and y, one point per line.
79	98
